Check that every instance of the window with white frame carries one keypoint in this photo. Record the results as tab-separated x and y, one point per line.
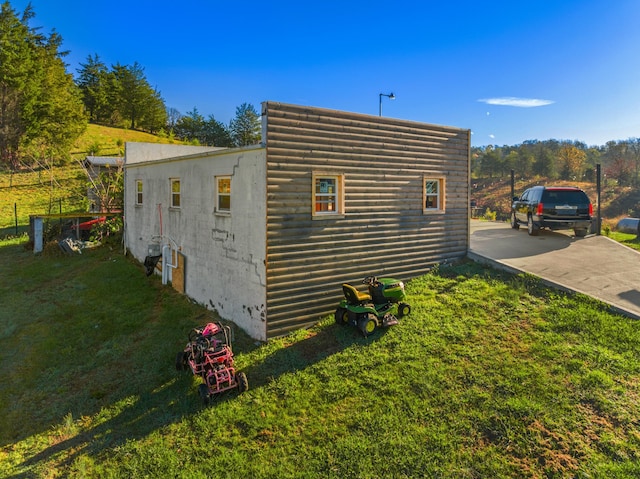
138	192
175	192
223	194
433	197
328	194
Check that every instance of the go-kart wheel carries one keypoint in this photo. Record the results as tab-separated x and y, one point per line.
342	316
243	382
403	309
203	391
368	324
181	363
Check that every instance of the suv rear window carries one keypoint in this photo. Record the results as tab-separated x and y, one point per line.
569	197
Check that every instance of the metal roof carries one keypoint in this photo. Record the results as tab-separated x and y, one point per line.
104	160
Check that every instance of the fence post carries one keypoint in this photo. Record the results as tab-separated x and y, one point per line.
598	189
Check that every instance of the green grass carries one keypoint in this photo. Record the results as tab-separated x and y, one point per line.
39	192
59	188
491	375
628	239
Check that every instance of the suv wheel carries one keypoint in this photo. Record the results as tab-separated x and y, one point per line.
580	232
514	222
531	228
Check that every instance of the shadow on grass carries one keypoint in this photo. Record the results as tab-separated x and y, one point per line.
177	398
148	412
321	344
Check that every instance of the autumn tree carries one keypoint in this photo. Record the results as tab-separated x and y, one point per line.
619	165
572	162
634	150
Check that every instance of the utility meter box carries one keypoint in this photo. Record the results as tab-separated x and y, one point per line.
155	249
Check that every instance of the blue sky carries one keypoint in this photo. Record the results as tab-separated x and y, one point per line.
510	71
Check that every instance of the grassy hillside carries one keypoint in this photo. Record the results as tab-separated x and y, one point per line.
107	141
491	375
59	189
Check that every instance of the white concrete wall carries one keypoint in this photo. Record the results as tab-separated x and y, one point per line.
225	253
142	152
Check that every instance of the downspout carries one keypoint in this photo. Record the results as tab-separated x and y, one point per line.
124	206
468	191
166	252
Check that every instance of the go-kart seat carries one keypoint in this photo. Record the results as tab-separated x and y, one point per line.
353	295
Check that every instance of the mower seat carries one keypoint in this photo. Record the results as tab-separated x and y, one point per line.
353	295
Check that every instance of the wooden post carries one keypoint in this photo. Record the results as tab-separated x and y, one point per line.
598	220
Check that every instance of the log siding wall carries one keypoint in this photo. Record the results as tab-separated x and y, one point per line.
384	229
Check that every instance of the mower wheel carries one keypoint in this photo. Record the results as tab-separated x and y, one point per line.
243	382
403	309
368	324
181	363
342	316
203	391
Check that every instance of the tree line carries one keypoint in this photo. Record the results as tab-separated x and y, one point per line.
44	109
565	160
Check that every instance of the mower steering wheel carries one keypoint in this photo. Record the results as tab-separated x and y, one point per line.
369	280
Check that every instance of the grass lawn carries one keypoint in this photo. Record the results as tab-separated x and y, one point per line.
60	189
490	376
628	239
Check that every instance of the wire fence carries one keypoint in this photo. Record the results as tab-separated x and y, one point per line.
14	215
39	192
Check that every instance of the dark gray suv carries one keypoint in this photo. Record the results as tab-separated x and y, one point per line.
554	208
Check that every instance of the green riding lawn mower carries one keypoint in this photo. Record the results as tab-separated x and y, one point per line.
374	309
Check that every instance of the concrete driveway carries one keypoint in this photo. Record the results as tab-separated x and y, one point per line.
594	265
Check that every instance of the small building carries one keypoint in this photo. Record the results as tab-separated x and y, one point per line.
265	235
96	166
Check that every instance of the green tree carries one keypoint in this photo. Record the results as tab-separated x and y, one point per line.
93	83
41	112
215	133
134	101
245	128
490	162
545	164
17	63
190	126
154	114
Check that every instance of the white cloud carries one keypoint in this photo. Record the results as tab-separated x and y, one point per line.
519	102
492	136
